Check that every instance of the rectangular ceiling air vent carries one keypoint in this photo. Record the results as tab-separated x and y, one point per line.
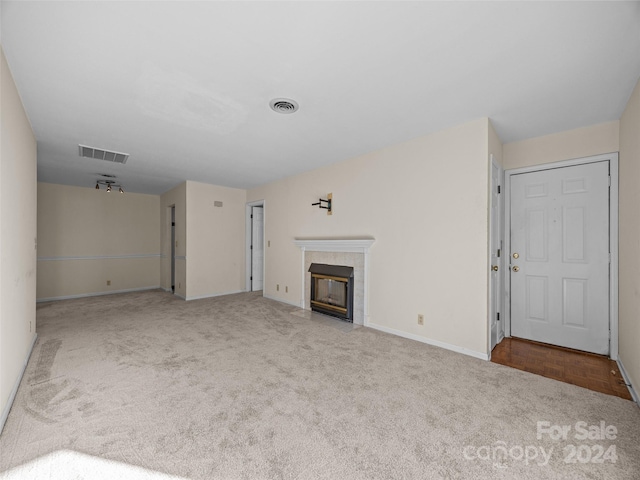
100	154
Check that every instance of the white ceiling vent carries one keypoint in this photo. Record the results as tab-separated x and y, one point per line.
100	154
283	105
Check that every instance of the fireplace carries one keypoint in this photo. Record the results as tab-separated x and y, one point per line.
332	290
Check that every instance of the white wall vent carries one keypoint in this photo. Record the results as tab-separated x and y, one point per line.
99	154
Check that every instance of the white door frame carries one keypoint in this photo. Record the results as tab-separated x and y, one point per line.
249	205
172	222
612	158
500	261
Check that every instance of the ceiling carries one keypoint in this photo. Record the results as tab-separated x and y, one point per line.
184	87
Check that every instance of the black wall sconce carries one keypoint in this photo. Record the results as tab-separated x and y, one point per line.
326	204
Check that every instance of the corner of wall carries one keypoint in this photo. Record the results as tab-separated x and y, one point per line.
495	144
629	238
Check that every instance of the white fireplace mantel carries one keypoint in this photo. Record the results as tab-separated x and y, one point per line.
348	245
338	245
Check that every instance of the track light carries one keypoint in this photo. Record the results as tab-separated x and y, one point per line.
110	184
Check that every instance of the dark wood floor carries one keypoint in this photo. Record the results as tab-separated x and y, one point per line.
587	370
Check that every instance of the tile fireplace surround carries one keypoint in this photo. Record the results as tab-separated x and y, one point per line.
350	252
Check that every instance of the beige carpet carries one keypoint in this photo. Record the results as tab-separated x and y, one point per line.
146	385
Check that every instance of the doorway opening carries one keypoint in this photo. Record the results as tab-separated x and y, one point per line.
255	245
561	254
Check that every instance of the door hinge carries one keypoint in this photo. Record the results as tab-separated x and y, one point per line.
251	247
498	255
609	180
498	188
498	316
173	224
250	278
252	215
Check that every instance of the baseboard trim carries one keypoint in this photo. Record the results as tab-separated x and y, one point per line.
627	380
95	294
12	397
211	295
429	341
281	300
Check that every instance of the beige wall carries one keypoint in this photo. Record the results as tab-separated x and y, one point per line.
629	243
578	143
210	240
495	145
215	240
84	233
176	197
17	237
426	203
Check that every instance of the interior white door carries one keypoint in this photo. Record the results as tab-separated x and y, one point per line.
560	256
495	247
257	247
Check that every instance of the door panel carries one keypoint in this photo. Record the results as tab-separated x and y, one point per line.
560	256
257	252
495	248
536	235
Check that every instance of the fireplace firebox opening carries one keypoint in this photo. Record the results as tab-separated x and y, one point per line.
332	290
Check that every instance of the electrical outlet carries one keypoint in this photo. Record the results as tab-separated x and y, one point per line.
286	289
108	282
277	287
420	319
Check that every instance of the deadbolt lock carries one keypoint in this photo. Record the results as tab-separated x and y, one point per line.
494	268
516	268
515	255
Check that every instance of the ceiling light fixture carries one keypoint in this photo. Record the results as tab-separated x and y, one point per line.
284	105
109	184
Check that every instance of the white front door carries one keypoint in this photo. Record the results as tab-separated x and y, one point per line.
560	256
257	247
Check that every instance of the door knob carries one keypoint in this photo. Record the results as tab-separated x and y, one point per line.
515	255
494	268
516	268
